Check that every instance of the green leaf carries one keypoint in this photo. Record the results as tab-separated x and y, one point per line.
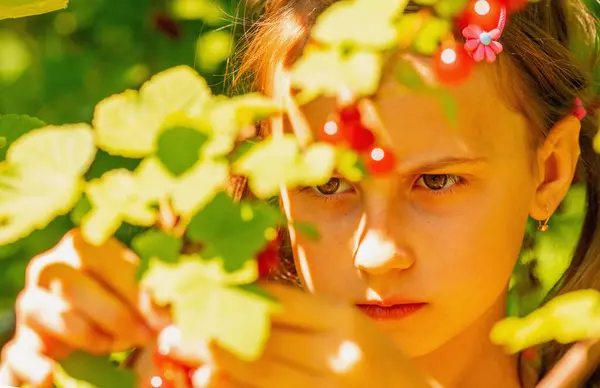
158	244
449	105
450	8
314	166
568	318
13	127
189	192
430	34
237	319
167	281
232	231
253	107
179	148
198	186
337	24
227	116
81	370
308	230
408	76
115	198
10	9
104	162
326	72
49	161
128	124
208	305
82	208
155	244
408	27
349	165
68	149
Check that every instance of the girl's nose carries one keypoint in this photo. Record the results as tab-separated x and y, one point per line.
378	254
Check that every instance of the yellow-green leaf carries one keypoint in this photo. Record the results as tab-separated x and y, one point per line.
10	9
278	161
571	317
337	25
41	178
22	207
68	149
115	198
326	72
128	124
208	304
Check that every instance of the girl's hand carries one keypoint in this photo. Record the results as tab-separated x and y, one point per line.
313	343
76	296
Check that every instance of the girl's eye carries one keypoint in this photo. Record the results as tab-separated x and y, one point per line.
438	182
333	186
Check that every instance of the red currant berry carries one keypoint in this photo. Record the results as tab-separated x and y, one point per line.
331	133
452	65
359	137
483	13
530	354
267	260
380	161
349	114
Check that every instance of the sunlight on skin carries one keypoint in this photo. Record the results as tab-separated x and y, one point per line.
170	336
359	234
203	375
348	356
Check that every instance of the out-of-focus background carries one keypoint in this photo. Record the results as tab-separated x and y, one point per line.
58	66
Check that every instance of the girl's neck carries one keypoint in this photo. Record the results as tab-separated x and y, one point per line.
470	360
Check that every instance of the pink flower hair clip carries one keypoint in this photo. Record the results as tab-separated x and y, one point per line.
482	44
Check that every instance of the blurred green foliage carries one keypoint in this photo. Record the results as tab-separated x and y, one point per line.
58	66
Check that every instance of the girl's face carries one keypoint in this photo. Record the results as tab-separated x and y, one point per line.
445	229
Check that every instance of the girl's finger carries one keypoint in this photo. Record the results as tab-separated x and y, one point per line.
51	316
310	351
28	366
109	313
208	377
7	377
303	311
266	372
112	263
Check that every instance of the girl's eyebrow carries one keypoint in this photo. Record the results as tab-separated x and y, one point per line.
439	164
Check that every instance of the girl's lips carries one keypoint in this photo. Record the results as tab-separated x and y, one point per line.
391	312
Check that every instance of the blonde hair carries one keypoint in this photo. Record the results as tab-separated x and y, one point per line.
547	76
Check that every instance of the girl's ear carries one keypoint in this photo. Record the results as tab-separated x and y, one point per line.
557	161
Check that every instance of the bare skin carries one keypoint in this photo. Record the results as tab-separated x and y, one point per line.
452	248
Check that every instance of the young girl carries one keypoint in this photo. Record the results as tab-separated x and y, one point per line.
412	268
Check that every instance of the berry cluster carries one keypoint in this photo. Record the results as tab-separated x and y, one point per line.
172	374
347	129
268	259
